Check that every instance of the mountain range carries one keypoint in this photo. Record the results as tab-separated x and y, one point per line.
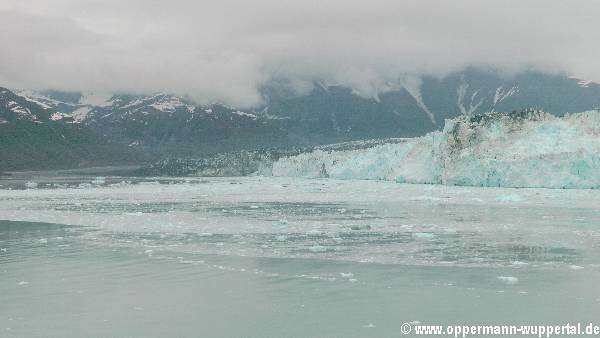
54	129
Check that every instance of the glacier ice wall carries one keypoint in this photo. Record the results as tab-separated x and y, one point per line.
519	149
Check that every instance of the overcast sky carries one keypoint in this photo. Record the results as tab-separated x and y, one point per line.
223	50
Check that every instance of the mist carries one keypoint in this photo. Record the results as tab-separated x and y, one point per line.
224	51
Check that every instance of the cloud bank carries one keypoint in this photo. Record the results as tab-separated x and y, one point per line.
225	50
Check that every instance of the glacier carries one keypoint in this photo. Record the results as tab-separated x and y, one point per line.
527	149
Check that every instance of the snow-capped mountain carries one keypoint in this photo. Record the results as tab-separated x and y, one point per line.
168	125
90	106
15	107
161	122
35	135
477	91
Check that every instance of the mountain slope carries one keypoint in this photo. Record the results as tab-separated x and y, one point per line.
30	146
476	91
35	136
14	108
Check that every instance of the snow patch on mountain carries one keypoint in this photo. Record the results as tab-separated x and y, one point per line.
96	99
461	93
60	116
38	102
502	93
243	114
582	82
81	113
170	104
22	113
413	87
42	100
160	102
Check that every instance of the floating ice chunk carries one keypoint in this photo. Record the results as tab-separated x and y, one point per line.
508	280
121	184
137	213
23	282
31	185
318	248
576	267
149	183
509	198
99	180
423	235
360	227
426	198
346	274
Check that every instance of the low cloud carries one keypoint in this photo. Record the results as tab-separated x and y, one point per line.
226	50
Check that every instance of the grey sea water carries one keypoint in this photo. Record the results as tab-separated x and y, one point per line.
281	257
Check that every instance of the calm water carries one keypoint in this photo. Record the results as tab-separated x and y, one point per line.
275	257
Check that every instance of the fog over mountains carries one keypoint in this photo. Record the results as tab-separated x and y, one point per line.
77	129
225	51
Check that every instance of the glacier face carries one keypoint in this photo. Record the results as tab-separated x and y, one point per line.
525	149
